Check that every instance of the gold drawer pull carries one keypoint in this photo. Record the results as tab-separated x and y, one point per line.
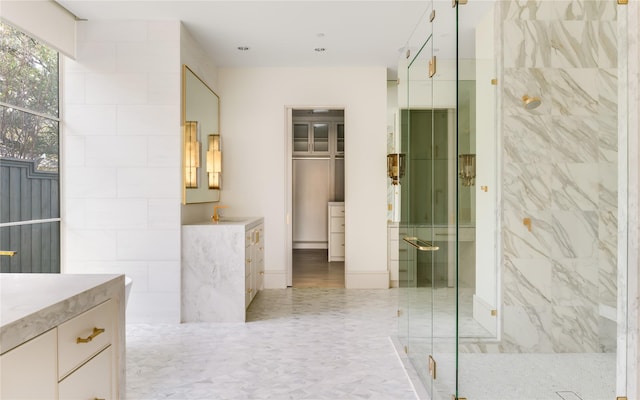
98	398
96	332
9	253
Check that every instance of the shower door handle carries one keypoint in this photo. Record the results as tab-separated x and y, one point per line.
420	244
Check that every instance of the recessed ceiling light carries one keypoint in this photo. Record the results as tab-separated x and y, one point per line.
243	48
320	49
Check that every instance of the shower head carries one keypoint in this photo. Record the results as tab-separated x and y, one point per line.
531	103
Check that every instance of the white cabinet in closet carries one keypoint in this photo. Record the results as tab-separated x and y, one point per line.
336	231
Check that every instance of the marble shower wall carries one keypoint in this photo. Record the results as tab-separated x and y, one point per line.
559	170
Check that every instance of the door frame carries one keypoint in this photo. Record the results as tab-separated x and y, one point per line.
288	187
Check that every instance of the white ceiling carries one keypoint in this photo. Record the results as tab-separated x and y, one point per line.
285	33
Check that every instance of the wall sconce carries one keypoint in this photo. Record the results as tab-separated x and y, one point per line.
467	169
191	154
214	161
395	167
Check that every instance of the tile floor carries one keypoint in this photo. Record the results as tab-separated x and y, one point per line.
315	343
331	343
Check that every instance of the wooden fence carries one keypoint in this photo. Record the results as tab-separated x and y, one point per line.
27	194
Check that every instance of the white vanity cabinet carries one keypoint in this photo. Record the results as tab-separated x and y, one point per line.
84	354
80	355
336	231
222	269
254	245
29	370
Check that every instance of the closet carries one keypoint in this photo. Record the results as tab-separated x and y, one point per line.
317	174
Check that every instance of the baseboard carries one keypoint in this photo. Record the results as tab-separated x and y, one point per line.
367	280
483	312
275	279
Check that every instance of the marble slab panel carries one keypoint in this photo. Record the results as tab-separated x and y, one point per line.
575	186
527	10
574	139
607	44
574	91
519	242
608	138
575	329
608	94
527	139
527	329
584	10
574	234
527	187
574	44
527	282
574	282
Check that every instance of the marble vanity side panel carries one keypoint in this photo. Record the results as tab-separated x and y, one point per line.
213	273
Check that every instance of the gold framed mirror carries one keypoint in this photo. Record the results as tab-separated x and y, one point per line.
201	144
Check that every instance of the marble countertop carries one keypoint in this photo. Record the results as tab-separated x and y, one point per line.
244	222
31	304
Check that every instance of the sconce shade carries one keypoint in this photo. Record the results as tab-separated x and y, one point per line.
191	154
395	167
467	169
214	161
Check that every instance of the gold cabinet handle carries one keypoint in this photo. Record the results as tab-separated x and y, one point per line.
9	253
96	332
261	272
420	244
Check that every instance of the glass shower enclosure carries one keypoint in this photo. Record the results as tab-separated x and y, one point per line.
508	224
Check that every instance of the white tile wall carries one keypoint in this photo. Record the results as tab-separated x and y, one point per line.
121	177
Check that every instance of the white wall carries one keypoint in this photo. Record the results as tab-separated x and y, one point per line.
253	127
121	167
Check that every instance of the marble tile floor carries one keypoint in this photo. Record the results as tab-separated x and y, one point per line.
522	376
297	344
328	343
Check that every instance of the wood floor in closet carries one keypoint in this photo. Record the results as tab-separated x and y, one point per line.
312	270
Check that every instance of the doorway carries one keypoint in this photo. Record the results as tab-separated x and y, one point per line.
316	171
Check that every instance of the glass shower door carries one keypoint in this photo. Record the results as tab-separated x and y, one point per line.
428	215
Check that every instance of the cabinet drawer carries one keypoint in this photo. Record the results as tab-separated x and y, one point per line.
91	381
337	211
337	244
29	370
337	224
84	336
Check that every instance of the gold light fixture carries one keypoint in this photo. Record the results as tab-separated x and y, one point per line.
191	154
395	167
467	169
214	161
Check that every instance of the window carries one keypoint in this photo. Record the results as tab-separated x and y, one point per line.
29	154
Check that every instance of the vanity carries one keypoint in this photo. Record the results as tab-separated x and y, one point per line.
62	336
222	268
